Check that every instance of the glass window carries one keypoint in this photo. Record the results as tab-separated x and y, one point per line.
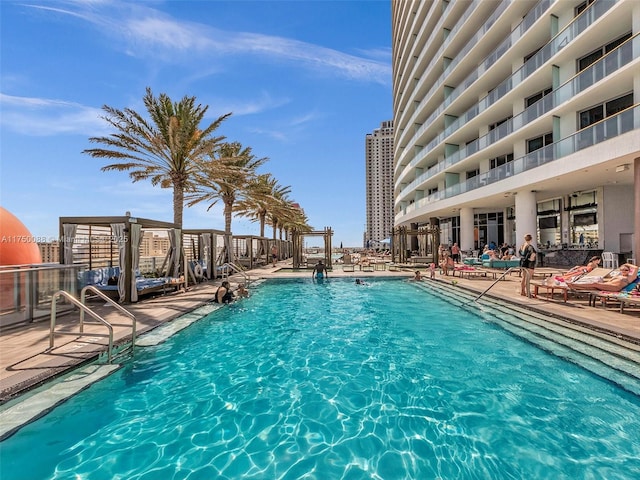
616	43
534	98
582	7
619	104
497	124
488	227
597	113
591	116
587	60
539	142
584	62
501	160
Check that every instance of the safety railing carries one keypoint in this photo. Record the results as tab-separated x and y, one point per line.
27	291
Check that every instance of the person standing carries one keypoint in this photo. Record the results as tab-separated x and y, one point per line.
319	271
274	254
455	253
528	256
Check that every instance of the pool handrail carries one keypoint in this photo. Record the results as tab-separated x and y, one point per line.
113	303
236	268
82	307
508	270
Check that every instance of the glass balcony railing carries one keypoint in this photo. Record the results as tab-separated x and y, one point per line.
27	291
604	67
438	83
561	40
516	34
607	129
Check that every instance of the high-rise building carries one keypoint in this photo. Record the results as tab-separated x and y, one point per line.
50	251
379	185
516	117
153	245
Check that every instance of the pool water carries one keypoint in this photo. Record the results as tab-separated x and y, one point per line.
334	380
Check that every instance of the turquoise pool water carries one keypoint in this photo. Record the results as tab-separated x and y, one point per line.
337	381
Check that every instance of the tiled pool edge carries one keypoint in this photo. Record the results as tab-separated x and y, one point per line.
34	406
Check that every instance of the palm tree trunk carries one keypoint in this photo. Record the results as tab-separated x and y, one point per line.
262	223
178	204
228	210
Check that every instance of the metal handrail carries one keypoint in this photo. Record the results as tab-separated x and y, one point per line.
236	268
83	308
120	308
508	270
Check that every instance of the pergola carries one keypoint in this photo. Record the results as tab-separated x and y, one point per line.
428	242
204	247
250	251
115	241
298	242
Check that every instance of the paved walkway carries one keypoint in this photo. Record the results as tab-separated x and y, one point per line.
26	361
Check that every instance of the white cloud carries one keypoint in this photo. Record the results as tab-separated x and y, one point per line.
250	106
148	32
43	117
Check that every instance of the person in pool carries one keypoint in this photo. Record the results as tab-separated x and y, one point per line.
242	292
319	271
224	293
417	277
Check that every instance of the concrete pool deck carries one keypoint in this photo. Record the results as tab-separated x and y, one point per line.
26	361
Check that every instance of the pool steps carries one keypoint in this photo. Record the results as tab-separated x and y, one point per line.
601	353
43	400
161	334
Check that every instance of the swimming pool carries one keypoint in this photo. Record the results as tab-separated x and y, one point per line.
333	380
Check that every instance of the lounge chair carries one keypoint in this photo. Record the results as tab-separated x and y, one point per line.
557	284
630	301
100	278
501	264
348	264
629	295
590	284
469	271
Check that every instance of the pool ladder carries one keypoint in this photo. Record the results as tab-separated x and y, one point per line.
84	309
226	267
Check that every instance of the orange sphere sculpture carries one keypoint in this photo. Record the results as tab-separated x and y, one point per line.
17	245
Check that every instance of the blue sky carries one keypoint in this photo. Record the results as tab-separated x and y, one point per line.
305	80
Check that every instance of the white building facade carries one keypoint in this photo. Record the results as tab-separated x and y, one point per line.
515	117
379	185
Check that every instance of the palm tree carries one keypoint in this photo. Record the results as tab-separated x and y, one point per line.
293	218
263	193
165	149
285	212
225	176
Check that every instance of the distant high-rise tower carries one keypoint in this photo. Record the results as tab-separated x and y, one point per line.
379	178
